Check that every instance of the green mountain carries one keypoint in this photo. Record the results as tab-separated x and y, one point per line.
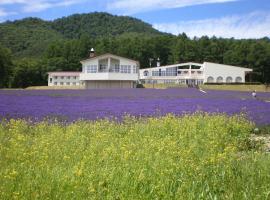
100	25
30	37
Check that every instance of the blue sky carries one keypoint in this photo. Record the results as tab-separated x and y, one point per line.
222	18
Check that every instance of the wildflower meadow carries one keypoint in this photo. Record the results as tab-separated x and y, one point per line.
187	155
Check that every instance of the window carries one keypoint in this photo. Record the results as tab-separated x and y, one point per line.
103	68
126	69
162	73
61	83
55	77
50	80
219	79
134	69
172	71
74	83
75	77
92	69
68	77
117	68
195	67
210	79
55	83
183	67
155	73
229	79
62	77
68	83
238	79
145	73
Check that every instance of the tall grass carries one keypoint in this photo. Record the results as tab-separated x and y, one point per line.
196	156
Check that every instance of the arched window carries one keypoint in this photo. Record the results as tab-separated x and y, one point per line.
145	73
219	79
229	79
238	79
210	79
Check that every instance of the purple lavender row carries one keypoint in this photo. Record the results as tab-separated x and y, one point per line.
70	105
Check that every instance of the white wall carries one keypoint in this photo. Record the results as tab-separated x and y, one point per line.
219	70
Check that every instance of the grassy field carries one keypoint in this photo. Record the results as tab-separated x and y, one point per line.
193	157
54	88
248	88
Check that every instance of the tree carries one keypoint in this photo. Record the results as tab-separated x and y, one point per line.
5	66
27	72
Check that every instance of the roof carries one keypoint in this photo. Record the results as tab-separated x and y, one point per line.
64	73
174	65
107	55
192	63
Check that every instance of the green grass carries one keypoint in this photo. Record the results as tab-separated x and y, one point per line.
55	87
246	88
196	156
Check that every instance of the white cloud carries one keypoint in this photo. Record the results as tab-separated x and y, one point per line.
37	6
29	6
136	6
3	2
252	25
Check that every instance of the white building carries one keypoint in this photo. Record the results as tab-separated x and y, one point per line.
194	73
104	71
109	71
64	79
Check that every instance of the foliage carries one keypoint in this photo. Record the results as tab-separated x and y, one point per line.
193	157
5	66
27	72
28	37
100	24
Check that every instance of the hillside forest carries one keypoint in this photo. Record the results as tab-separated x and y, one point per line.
31	47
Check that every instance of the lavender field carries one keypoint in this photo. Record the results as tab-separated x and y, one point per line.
70	105
200	156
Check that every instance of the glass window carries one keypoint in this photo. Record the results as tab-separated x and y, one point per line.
68	77
75	77
61	83
55	77
74	83
155	73
125	69
172	71
50	80
195	67
134	69
117	68
103	68
183	67
92	69
68	83
62	77
55	83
